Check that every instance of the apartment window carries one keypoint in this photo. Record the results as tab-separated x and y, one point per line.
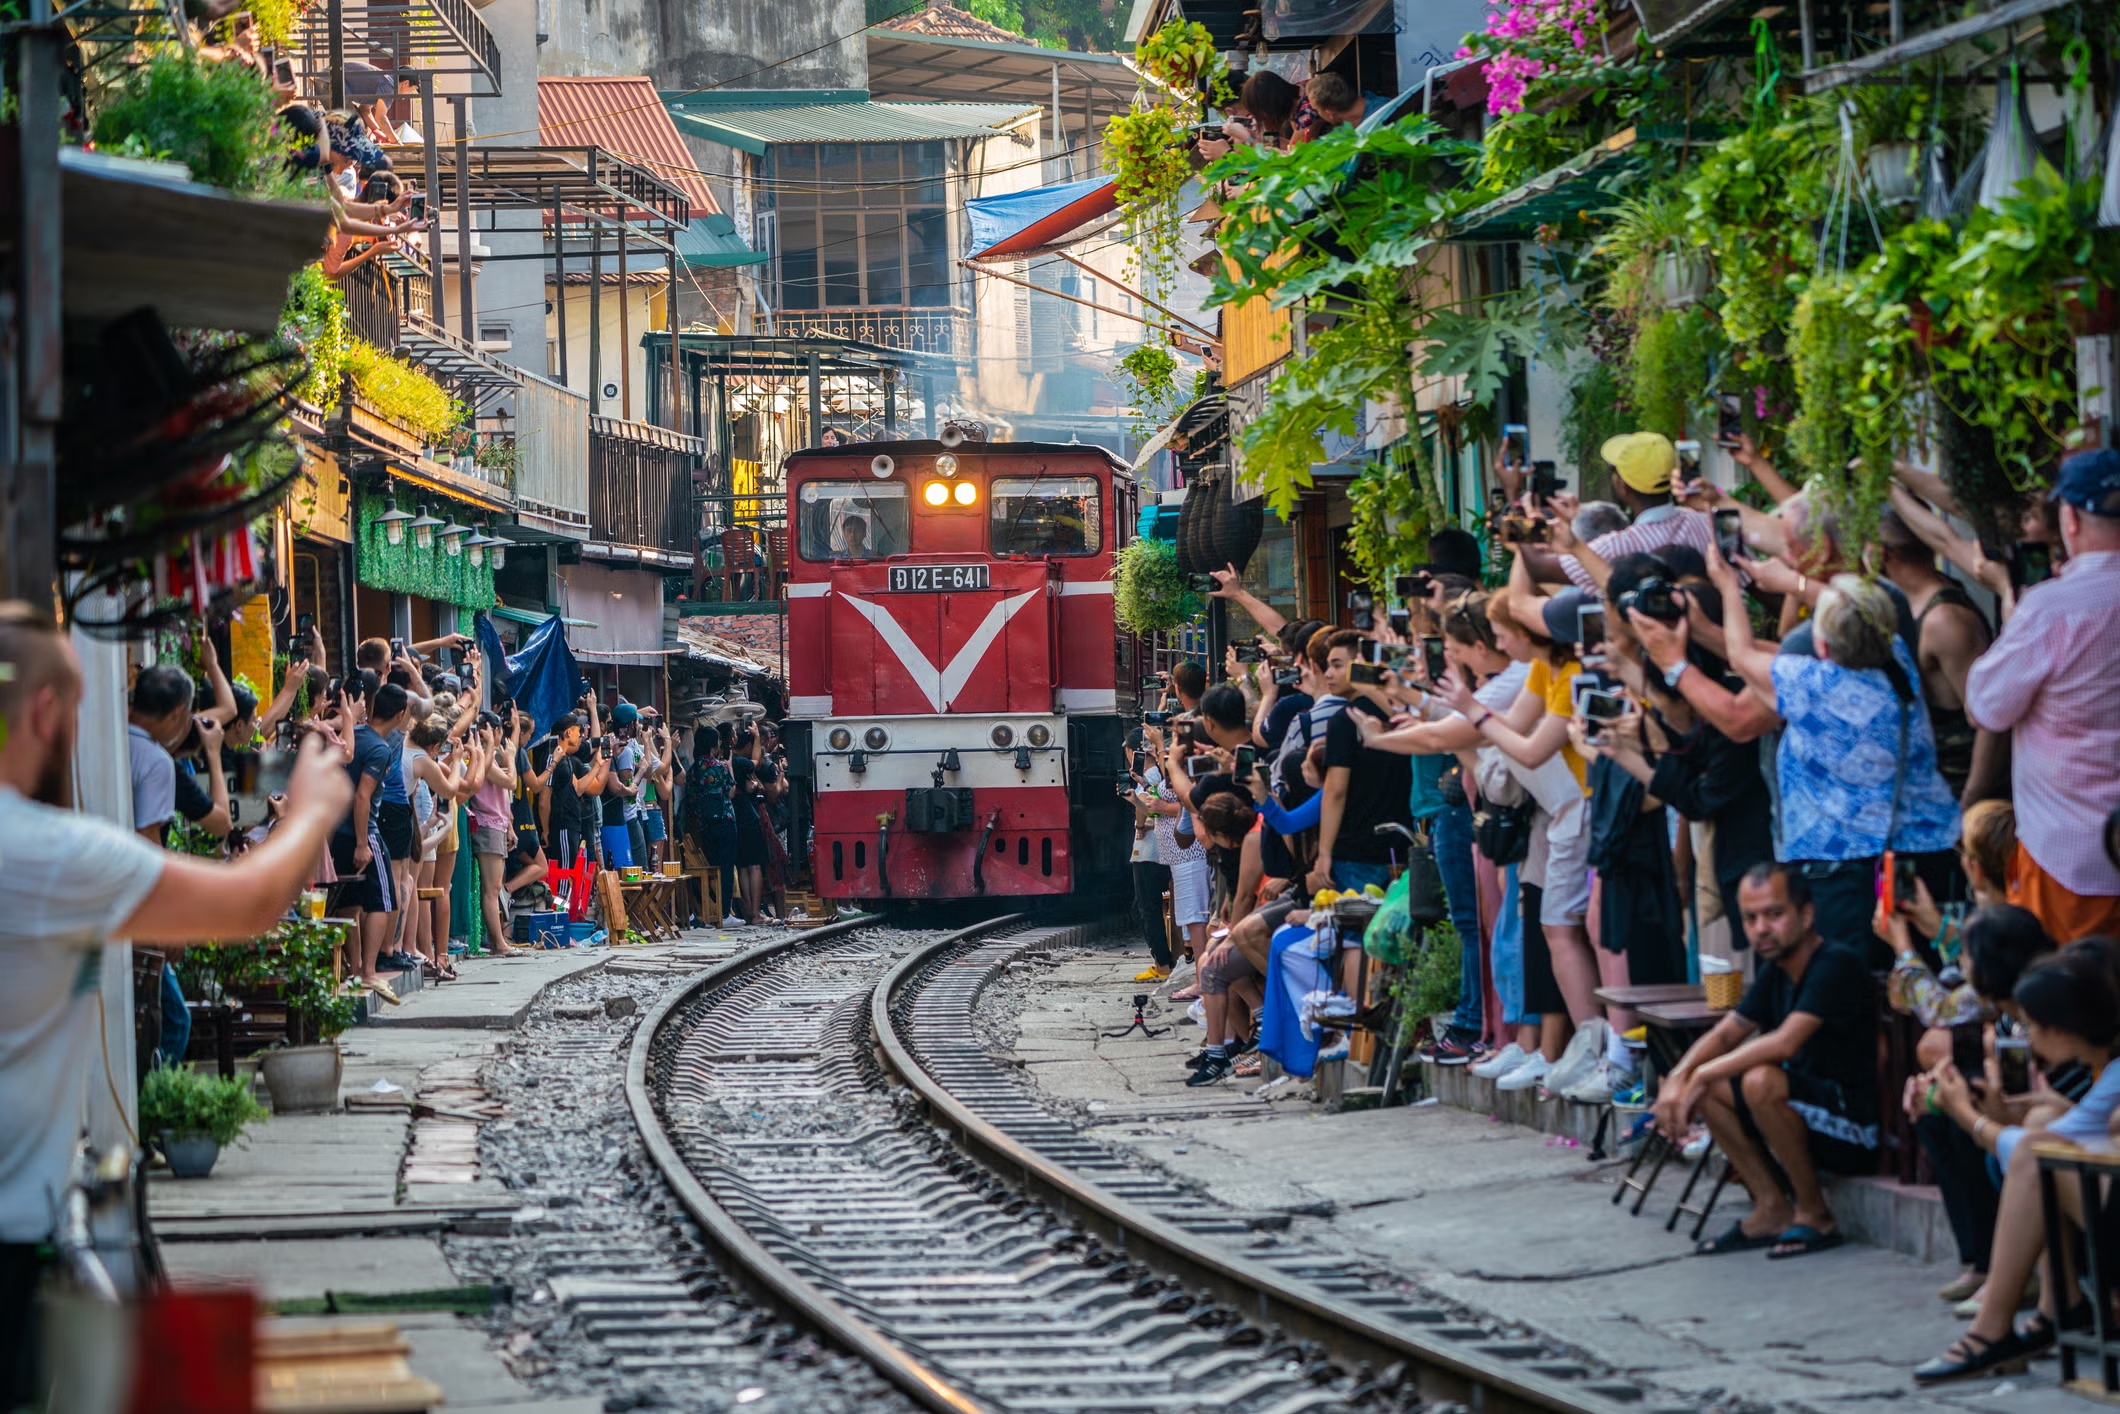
861	225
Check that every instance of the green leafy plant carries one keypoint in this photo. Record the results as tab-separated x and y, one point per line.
1669	370
214	118
178	1101
275	19
1479	340
1393	513
1149	595
1598	410
301	955
1145	150
1640	234
1149	373
401	392
315	317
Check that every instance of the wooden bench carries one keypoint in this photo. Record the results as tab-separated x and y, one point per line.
2096	1175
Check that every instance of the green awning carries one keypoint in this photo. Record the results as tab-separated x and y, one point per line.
712	241
757	125
1552	198
524	616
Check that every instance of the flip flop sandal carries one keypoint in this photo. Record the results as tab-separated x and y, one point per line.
1186	994
1801	1241
1250	1065
1734	1238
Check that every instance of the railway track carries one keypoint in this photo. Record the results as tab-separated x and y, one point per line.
825	1113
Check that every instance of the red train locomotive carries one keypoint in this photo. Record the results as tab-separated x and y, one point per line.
956	681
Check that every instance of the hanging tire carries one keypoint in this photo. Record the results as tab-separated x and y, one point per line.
1235	529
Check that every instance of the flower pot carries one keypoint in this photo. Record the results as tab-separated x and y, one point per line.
1890	169
303	1079
1682	278
190	1155
2089	312
1921	323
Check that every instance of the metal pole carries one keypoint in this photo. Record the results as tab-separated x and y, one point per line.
677	363
335	42
1810	42
437	295
890	403
468	309
816	403
559	280
596	317
927	401
1061	165
625	328
30	554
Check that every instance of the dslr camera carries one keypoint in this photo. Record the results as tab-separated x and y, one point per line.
1655	598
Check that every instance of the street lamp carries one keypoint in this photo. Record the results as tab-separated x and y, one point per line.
393	521
453	538
497	552
423	529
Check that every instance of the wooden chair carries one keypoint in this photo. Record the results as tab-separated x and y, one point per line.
707	879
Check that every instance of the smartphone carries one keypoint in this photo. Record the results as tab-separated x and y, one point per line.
1140	763
1730	533
397	647
1546	480
1969	1050
1371	673
1401	620
1590	627
303	623
1901	881
1201	583
1151	684
1364	605
1516	444
1250	653
1597	705
1157	719
2013	1057
1729	421
1688	459
1290	678
1524	530
1198	766
1412	586
1126	790
2030	563
1247	761
1433	663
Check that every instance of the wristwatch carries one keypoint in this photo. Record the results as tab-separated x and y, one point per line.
1676	671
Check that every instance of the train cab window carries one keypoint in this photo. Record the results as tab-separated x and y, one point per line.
1045	515
853	520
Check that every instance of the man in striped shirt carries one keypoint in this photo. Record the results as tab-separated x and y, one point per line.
1643	464
2052	680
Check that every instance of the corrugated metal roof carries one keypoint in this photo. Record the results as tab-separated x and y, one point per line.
623	116
712	240
755	129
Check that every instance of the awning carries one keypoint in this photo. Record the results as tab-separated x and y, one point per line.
711	242
1021	223
1553	197
533	619
754	121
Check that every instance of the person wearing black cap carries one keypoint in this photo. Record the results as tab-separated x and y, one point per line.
2052	680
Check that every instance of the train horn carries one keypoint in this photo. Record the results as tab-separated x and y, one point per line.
881	466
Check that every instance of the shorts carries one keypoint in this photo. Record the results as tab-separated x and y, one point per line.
491	841
618	847
369	892
2066	914
1838	1143
1188	892
1232	966
1562	868
394	825
651	825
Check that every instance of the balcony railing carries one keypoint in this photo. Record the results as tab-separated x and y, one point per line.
934	331
552	456
640	488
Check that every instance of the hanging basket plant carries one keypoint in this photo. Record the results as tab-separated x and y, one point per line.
1149	592
1145	148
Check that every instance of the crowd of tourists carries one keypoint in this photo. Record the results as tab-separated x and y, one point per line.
1685	734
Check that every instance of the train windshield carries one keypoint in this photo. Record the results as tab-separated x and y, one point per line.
1045	515
853	520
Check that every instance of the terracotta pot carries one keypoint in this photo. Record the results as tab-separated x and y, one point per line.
1921	323
303	1079
190	1155
2091	317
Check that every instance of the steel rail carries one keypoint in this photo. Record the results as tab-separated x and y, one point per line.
1443	1368
758	1270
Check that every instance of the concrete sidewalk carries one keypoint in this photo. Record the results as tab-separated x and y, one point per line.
357	1201
1506	1219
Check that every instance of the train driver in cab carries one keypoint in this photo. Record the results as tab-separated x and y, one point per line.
854	533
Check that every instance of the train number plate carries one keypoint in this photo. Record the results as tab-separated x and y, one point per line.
938	578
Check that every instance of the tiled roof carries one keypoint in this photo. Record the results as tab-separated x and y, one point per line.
624	116
946	21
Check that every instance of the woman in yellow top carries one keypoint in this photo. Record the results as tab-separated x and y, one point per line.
1533	735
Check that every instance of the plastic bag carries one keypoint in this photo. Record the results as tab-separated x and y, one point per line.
1392	936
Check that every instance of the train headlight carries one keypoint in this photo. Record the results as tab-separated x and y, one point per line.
936	493
967	492
875	738
1040	734
945	465
840	738
1002	734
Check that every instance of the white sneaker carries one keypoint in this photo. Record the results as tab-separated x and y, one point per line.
1699	1142
734	921
1598	1087
1585	1049
1499	1064
1532	1072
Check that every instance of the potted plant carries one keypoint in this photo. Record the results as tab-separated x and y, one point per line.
304	1076
1889	122
192	1117
1654	263
1149	592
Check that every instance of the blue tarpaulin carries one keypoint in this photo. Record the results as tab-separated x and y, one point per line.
541	678
1023	222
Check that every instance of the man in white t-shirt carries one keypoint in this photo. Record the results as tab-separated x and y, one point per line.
69	885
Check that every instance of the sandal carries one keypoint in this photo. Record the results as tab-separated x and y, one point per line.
1250	1065
1186	994
1972	1355
1802	1240
1733	1238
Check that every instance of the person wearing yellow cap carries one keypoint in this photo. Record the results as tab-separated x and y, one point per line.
1643	464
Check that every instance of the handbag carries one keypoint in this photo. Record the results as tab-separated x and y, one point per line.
1426	903
1503	832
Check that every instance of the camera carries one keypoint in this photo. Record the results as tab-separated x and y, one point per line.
1413	586
1524	530
1654	598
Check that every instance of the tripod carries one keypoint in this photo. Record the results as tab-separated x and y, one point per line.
1139	1023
